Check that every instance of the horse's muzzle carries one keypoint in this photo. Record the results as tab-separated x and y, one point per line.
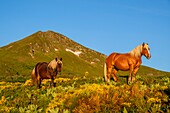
148	57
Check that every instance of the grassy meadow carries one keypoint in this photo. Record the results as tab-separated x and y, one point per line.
149	94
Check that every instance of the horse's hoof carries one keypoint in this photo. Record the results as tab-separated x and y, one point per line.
117	81
107	83
130	83
39	87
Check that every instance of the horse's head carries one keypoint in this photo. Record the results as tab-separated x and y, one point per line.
146	50
59	64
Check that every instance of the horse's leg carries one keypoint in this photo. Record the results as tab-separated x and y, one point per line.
39	81
52	82
130	73
50	76
34	80
114	75
134	75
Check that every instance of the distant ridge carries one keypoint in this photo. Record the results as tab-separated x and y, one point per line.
19	58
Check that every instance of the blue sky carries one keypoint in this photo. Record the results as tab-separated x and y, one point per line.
103	25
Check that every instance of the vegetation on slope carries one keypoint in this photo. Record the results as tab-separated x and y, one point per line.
83	94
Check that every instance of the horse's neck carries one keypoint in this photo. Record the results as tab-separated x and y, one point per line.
139	58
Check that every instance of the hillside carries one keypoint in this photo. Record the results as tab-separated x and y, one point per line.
18	58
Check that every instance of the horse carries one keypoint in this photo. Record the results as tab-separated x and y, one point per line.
44	70
125	61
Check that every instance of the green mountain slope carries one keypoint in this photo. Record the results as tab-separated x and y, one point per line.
19	58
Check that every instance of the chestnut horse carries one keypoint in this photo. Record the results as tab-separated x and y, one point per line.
128	61
44	70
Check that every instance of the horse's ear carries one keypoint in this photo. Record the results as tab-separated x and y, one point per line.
61	59
56	59
143	44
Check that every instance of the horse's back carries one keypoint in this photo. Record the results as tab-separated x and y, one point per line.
42	67
111	57
121	61
116	56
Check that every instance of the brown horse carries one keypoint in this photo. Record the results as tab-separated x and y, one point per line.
45	70
128	61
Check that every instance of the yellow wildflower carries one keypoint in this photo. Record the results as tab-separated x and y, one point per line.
3	82
28	82
45	81
153	100
17	83
2	100
164	87
43	87
58	80
2	87
158	94
75	78
127	104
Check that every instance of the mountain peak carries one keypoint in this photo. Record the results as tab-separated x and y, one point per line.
46	32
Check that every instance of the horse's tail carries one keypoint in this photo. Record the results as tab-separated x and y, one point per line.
105	72
35	74
36	70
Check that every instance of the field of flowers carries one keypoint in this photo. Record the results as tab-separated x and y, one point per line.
85	95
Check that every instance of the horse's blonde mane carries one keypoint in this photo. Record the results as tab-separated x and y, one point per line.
136	52
52	64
